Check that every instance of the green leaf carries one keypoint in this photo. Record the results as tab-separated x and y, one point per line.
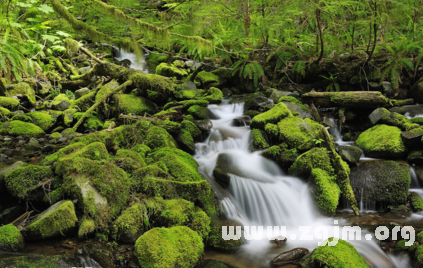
45	9
408	63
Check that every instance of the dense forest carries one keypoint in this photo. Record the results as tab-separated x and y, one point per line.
133	133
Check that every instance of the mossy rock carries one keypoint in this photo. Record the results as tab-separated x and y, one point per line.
50	159
213	264
274	115
382	141
9	103
206	80
43	119
112	138
198	112
129	226
154	87
22	117
23	89
130	104
187	91
342	255
57	220
181	165
11	239
215	239
45	261
416	202
4	112
326	192
142	149
157	137
296	132
54	196
296	106
83	103
383	116
259	141
168	248
170	70
55	135
19	128
418	257
128	160
155	59
53	77
316	158
213	95
87	227
91	122
349	154
382	181
189	103
106	89
186	141
60	103
101	188
23	183
283	156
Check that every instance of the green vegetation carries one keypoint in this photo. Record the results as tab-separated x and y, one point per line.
18	128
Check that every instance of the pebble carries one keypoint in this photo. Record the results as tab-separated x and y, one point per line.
62	140
7	139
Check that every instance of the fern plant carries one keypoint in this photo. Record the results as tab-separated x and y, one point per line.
332	83
252	70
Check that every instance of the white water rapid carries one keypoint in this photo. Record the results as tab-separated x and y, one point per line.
268	197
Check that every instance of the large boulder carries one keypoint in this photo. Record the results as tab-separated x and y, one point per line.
60	103
413	138
135	105
383	116
381	181
44	119
274	115
342	255
170	70
11	239
6	170
325	191
293	255
296	131
23	89
129	226
296	106
382	141
9	103
167	248
206	80
316	158
259	140
57	220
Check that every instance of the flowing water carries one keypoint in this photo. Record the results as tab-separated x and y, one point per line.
137	62
265	196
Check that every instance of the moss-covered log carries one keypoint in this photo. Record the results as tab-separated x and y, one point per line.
352	99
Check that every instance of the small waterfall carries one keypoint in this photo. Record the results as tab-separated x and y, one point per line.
336	131
264	196
414	180
137	63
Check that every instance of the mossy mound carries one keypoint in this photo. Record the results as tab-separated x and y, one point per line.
157	137
326	192
382	141
181	165
198	112
56	220
19	128
213	95
383	116
23	89
22	117
87	227
155	59
4	112
296	131
281	155
68	116
45	261
274	115
91	122
215	239
129	160
135	105
160	88
106	89
316	158
23	183
170	70
129	226
50	159
206	80
168	248
11	239
9	103
43	119
343	255
142	149
416	202
60	102
83	103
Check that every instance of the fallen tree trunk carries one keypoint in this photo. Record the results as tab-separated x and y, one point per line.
352	99
75	85
342	172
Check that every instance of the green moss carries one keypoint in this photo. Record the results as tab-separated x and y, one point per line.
170	70
142	149
22	117
93	151
326	191
54	196
131	222
43	119
259	142
9	103
416	202
129	160
198	112
216	241
170	126
157	88
400	245
87	227
157	137
91	121
23	89
50	159
55	135
382	141
156	59
22	182
4	112
168	248
106	89
393	119
181	165
59	98
130	104
346	137
274	115
294	100
53	77
186	141
343	255
417	120
206	80
11	238
188	103
213	95
296	131
68	116
191	128
56	220
19	128
316	158
83	103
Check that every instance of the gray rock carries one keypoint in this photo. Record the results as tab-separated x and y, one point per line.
3	158
387	88
415	158
290	256
296	108
204	125
83	70
62	140
33	146
48	149
412	139
277	94
81	92
192	64
62	105
7	139
350	154
242	121
398	109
